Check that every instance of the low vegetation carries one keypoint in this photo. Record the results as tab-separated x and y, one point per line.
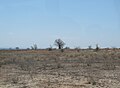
56	69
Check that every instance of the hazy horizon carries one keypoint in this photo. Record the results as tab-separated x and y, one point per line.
79	23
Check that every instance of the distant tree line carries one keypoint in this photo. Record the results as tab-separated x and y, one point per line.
60	46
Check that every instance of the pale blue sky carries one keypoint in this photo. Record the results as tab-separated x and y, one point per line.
76	22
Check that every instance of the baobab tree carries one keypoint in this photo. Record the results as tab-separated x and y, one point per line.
59	43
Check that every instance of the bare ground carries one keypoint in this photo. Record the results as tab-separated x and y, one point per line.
54	69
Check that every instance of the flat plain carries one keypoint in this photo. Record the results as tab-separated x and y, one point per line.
56	69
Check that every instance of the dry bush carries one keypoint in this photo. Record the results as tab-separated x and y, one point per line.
53	69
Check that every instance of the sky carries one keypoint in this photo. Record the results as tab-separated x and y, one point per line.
79	23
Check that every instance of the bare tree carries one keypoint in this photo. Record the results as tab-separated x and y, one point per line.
77	48
17	48
50	48
59	43
90	47
34	47
97	47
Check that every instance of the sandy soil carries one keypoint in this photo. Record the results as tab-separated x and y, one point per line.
54	69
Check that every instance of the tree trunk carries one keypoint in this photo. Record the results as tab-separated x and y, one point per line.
59	46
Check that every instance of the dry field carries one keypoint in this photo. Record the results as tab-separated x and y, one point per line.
54	69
